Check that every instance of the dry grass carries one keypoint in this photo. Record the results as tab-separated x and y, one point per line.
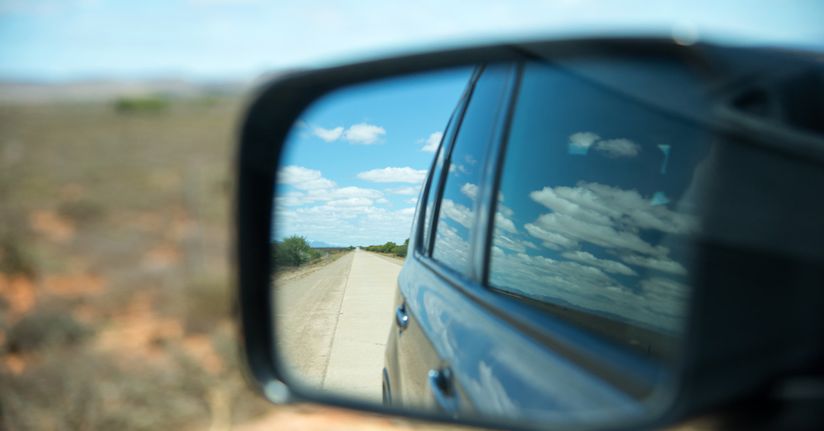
283	274
114	269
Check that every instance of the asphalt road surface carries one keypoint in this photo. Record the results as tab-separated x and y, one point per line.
333	323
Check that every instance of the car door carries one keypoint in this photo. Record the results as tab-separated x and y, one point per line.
508	315
464	356
443	254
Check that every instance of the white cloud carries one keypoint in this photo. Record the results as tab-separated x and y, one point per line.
346	223
313	187
607	265
404	190
364	133
663	264
339	193
504	240
580	142
431	143
551	240
394	175
607	216
450	246
361	133
356	192
457	212
351	202
303	178
613	220
317	208
328	135
470	190
291	198
504	223
616	148
658	304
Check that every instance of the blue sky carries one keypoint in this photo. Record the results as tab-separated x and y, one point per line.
354	163
240	39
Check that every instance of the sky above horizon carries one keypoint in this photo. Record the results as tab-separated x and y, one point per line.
372	155
55	40
353	165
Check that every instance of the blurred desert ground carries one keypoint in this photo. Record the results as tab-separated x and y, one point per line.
115	276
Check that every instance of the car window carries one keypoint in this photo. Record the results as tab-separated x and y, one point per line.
593	208
456	213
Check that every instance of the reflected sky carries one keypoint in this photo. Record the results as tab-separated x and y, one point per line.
457	212
595	212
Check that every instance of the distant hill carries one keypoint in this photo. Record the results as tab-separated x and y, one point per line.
32	93
321	244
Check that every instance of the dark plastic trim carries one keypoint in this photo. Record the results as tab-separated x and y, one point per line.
447	159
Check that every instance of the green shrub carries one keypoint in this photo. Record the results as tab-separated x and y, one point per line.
390	248
400	250
150	104
294	251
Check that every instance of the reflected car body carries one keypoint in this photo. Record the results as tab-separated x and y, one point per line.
563	300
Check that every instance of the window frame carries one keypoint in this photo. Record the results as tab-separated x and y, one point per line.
473	281
492	179
425	234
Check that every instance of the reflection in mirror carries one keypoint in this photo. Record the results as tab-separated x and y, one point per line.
591	226
547	275
347	187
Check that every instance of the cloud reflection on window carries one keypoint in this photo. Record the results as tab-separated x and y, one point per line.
596	254
599	185
580	144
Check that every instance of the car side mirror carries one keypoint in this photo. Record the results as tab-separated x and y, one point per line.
580	233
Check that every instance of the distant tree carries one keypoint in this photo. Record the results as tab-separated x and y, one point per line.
294	251
400	250
390	248
149	103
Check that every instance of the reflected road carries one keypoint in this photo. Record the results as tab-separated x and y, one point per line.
334	322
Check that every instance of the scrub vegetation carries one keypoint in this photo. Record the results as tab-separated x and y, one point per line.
294	251
151	104
390	248
294	256
114	278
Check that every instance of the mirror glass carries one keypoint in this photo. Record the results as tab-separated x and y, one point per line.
345	197
507	240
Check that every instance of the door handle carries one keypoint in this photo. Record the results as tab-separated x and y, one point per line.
443	391
401	318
